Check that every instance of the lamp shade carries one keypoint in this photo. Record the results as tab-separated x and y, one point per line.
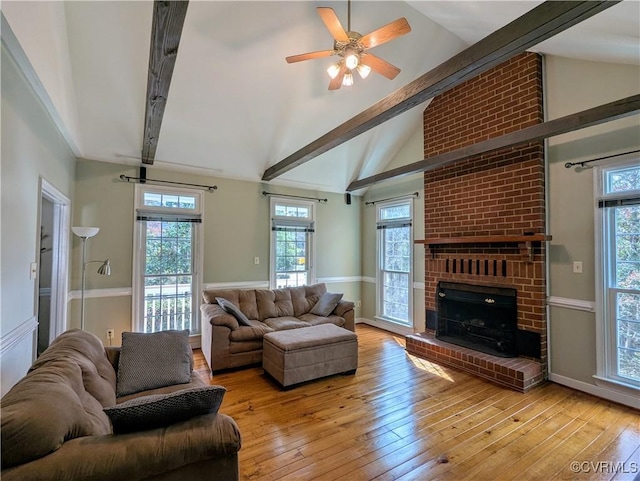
85	231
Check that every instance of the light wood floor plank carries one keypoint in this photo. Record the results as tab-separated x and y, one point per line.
400	417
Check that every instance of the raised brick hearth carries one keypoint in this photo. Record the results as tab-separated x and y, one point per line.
500	193
516	373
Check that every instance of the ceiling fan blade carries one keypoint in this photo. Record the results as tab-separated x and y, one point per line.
309	56
336	83
384	34
332	23
380	66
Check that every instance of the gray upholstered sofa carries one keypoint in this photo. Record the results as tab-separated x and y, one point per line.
227	344
54	426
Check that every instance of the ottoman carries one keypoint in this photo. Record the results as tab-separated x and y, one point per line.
298	355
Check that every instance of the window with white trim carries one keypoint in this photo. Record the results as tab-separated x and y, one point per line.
292	246
167	275
395	261
619	273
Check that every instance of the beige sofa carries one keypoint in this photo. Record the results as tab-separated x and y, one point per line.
227	344
54	427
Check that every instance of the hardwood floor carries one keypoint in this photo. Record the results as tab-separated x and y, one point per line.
402	417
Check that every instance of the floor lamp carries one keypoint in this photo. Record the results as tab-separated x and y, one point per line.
105	269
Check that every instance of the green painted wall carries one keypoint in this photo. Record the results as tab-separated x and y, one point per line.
32	149
413	151
236	229
572	86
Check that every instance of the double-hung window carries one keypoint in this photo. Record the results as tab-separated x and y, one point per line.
292	229
167	259
619	274
395	261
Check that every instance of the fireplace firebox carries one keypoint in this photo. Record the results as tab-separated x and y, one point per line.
482	318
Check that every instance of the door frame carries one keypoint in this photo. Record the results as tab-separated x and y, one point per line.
59	256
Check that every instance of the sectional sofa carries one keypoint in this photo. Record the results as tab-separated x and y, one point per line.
227	343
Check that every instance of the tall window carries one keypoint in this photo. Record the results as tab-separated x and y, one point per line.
619	210
292	228
395	261
167	259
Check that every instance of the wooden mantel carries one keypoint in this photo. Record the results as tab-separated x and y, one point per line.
524	241
487	239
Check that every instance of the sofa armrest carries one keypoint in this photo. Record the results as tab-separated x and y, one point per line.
343	307
136	456
217	316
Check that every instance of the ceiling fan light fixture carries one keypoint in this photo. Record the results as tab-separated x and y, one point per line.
351	59
363	70
333	70
347	81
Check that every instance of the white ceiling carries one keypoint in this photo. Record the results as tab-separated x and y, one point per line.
236	107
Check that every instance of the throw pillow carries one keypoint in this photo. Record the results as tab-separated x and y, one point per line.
150	412
326	304
232	309
153	360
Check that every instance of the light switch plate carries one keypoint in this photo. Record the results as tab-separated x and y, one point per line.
33	270
577	267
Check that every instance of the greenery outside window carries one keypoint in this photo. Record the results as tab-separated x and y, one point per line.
167	259
619	279
292	254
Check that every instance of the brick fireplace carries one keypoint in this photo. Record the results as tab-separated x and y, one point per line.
485	217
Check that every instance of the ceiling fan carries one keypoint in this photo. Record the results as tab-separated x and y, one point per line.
353	48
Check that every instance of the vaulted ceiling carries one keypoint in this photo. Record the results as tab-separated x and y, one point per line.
235	107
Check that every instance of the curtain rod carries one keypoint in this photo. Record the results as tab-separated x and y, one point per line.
373	202
568	165
126	178
266	194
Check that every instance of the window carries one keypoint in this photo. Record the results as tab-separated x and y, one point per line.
292	228
619	279
395	261
167	260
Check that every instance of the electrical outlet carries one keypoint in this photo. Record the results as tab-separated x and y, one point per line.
256	260
359	304
111	333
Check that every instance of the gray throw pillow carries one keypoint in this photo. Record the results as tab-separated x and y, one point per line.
234	310
326	304
150	412
153	360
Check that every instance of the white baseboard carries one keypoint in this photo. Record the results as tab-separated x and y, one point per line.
387	326
599	391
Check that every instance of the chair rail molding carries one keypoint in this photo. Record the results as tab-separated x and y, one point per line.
17	334
96	293
568	303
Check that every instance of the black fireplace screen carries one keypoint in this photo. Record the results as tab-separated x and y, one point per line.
478	317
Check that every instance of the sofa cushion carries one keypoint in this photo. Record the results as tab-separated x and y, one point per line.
315	320
285	322
47	407
151	360
150	412
254	331
305	297
232	309
326	304
274	303
245	299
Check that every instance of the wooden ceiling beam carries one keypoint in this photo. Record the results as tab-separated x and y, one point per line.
597	115
542	22
168	20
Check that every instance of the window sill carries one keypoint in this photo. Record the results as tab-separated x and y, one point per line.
616	385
